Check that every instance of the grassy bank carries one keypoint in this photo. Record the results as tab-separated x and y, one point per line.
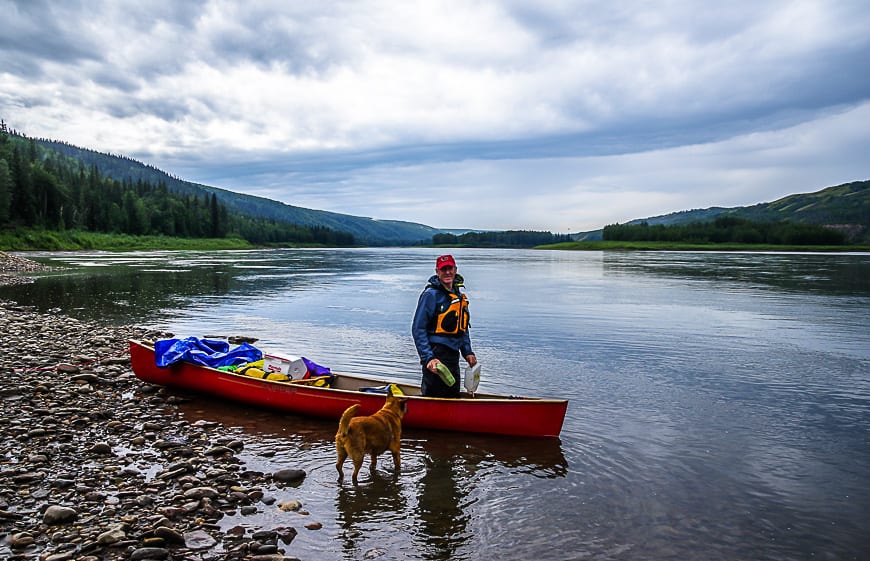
676	246
46	240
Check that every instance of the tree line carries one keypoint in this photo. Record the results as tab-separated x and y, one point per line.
40	188
510	238
727	229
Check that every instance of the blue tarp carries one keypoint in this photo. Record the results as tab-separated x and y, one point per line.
207	352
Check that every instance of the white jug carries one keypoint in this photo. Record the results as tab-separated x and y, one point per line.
472	377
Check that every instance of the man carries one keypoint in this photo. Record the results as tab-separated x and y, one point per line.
440	330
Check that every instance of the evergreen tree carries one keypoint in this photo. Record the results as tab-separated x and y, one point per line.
50	197
215	215
23	201
5	192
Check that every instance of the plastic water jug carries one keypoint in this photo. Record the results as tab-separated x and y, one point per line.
472	377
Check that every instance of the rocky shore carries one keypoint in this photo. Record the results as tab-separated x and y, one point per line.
12	266
95	465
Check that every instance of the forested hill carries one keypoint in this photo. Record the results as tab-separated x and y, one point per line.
845	207
842	204
365	230
45	191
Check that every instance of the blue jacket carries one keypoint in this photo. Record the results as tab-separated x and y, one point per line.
433	300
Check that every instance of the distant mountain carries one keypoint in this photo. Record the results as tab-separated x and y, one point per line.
845	207
366	231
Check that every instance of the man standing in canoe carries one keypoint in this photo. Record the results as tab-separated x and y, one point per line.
440	330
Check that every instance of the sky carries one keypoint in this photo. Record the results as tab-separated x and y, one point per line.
551	115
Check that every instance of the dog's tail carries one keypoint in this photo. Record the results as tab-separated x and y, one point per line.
348	414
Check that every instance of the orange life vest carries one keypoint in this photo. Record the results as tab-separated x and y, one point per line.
455	319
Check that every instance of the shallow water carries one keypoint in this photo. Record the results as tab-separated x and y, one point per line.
720	402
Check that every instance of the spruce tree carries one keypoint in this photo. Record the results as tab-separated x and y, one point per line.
5	193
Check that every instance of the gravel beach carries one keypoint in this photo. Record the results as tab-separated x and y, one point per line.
96	465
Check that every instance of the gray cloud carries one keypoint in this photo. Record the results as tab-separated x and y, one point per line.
35	32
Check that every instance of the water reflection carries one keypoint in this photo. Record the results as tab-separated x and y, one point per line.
360	508
432	500
443	527
539	457
828	273
151	286
124	293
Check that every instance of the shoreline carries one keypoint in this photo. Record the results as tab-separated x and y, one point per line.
11	267
97	465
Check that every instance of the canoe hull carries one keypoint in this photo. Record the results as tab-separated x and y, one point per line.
503	415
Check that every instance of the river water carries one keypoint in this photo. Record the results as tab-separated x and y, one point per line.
719	402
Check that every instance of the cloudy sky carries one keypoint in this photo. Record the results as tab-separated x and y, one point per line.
560	115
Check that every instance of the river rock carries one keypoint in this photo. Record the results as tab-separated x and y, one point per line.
200	492
169	535
56	514
20	540
286	533
149	553
219	451
100	449
199	539
289	506
289	475
113	535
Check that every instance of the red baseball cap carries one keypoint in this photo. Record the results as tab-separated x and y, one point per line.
445	261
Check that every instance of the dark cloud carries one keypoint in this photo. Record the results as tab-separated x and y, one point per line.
828	78
166	110
110	78
39	31
298	43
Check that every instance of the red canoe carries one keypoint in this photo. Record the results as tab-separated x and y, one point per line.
481	413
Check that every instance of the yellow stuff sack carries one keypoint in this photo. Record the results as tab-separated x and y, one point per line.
254	372
396	390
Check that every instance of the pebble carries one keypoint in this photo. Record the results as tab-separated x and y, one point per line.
80	431
289	506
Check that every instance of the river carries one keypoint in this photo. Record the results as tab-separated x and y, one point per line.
719	402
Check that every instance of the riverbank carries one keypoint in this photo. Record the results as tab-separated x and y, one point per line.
23	239
13	269
95	465
680	246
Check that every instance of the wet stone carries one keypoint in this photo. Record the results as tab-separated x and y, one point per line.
199	539
200	492
100	449
289	475
148	553
56	514
288	506
114	535
169	535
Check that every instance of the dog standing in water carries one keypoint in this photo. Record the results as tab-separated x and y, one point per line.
374	435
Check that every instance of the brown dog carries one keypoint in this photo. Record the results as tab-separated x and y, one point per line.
375	434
